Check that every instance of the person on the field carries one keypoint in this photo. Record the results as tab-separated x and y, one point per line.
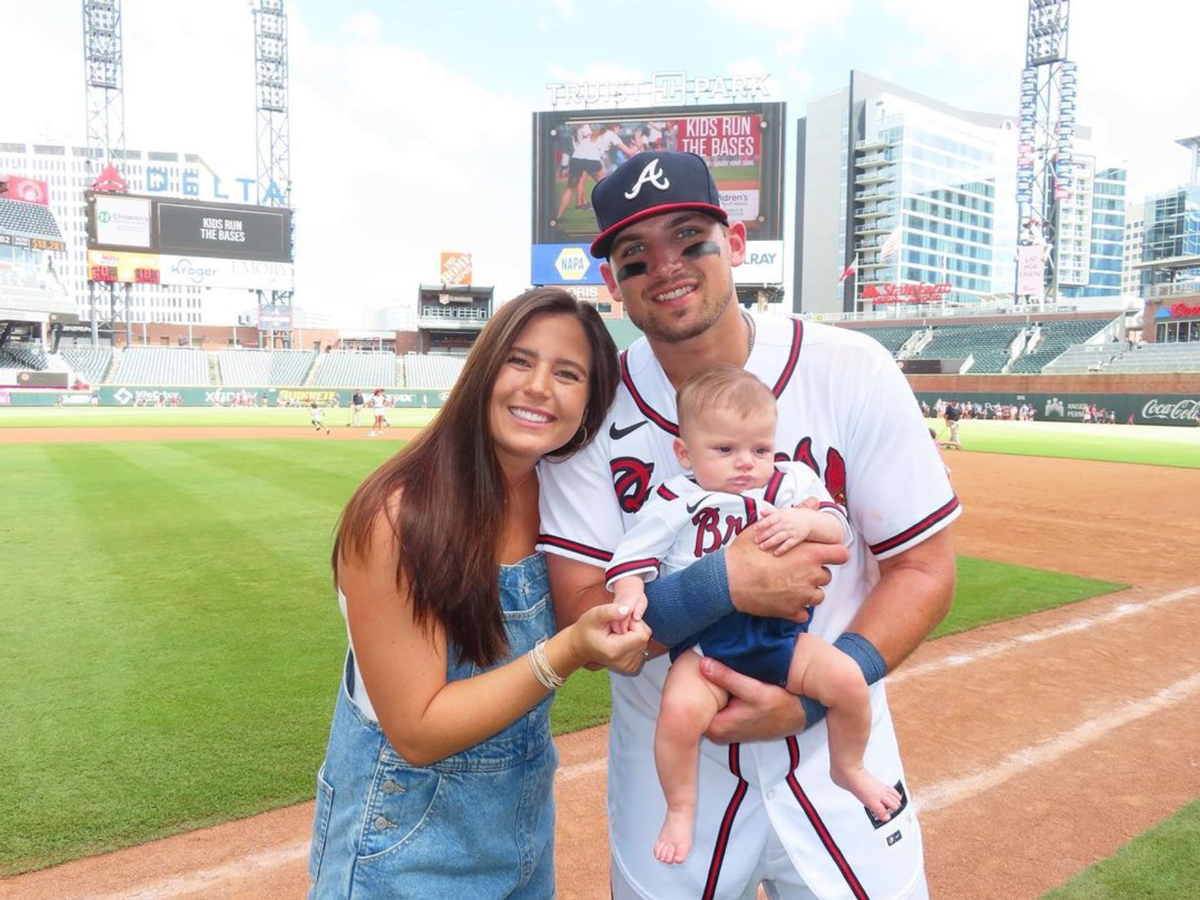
438	778
767	811
727	441
315	415
377	404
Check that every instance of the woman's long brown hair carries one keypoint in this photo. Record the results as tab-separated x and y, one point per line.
455	497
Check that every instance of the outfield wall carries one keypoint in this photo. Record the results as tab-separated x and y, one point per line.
212	397
1163	399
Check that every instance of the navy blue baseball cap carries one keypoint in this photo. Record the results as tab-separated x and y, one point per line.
648	184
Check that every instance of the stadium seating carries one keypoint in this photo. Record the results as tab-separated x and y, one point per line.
164	366
278	368
91	363
892	337
340	368
432	371
1183	357
1056	338
23	356
1079	359
988	343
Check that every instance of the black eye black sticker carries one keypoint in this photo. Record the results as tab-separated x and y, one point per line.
632	270
702	248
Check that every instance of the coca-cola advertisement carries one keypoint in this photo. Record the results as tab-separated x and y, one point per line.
1109	410
1172	410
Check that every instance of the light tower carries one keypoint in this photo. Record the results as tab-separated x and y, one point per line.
1045	161
103	65
1193	146
274	155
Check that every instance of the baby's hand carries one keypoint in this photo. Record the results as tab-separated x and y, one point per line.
630	592
782	529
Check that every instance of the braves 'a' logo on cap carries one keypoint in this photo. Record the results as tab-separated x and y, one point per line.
651	174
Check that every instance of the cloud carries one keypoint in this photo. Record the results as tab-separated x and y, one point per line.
794	22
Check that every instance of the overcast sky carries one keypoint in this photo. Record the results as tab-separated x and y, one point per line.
411	121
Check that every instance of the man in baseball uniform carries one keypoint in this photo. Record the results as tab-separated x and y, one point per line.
767	811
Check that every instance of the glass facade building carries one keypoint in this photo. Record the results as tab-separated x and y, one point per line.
924	197
1091	232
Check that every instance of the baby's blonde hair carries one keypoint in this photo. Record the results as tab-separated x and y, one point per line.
722	387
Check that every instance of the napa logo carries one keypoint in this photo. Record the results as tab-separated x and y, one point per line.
572	264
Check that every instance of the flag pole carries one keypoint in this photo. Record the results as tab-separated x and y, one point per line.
854	275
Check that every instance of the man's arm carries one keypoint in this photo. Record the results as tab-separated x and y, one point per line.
913	595
758	583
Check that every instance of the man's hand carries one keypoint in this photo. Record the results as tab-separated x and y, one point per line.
755	712
763	584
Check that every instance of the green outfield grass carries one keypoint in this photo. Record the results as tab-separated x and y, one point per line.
195	417
993	592
1161	864
1154	445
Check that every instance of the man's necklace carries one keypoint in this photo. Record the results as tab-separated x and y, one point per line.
749	324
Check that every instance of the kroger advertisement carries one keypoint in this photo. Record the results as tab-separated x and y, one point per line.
742	143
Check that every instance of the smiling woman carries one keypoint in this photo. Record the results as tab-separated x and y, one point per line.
438	778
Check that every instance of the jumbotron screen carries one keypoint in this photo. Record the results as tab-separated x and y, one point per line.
742	143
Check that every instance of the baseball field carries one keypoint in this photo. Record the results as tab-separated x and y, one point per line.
170	644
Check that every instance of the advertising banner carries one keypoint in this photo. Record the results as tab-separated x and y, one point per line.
123	267
208	272
763	263
742	143
123	221
563	264
1142	409
1031	270
231	232
26	190
456	268
273	316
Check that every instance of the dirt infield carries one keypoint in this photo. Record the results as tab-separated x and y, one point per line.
1033	747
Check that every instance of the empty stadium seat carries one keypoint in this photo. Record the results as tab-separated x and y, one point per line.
340	368
432	370
1056	338
91	363
166	366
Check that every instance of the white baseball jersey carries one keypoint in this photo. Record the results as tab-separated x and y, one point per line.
844	410
682	521
315	413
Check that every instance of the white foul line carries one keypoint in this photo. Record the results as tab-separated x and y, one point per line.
947	793
1119	612
197	882
937	796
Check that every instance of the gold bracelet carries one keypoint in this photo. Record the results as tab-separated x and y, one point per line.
542	670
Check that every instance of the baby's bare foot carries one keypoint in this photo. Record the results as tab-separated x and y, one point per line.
675	838
881	799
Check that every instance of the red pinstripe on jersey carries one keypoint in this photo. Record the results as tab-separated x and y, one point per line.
575	547
814	819
793	357
918	529
731	811
647	410
634	565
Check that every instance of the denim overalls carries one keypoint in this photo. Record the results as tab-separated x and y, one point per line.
479	824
